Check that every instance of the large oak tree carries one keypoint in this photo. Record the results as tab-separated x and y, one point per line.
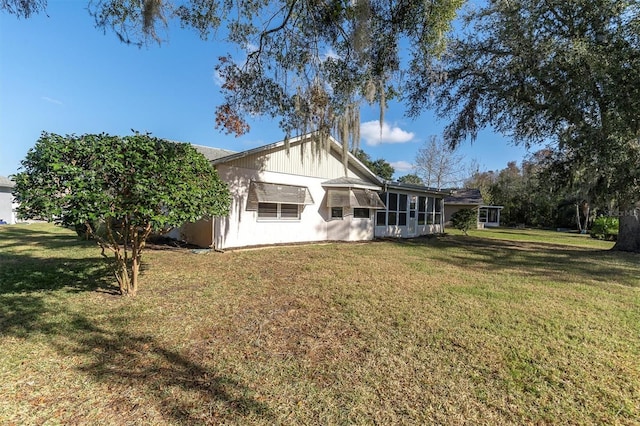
561	71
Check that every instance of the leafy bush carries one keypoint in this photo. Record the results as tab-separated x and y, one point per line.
465	219
605	228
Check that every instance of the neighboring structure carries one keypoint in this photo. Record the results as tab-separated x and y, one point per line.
302	192
488	216
7	206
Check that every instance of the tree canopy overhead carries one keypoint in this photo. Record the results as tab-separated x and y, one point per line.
308	63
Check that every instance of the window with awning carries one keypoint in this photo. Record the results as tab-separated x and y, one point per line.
354	198
275	193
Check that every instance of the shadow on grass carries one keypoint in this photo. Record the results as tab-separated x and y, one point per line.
30	288
554	262
180	389
35	235
144	379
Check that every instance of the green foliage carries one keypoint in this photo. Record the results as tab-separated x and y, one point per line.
380	166
307	63
605	228
132	186
464	219
566	71
411	178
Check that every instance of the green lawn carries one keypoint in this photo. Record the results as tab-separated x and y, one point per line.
502	327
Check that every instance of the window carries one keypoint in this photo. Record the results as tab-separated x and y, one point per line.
278	211
393	202
336	212
493	215
360	213
430	206
268	210
482	215
289	211
422	208
393	219
398	210
402	202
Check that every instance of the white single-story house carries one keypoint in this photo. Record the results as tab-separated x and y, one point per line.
7	206
301	191
488	216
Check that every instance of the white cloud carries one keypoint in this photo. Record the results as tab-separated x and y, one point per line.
370	132
217	78
402	166
329	54
51	100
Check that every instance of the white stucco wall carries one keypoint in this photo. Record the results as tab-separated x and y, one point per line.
243	227
6	206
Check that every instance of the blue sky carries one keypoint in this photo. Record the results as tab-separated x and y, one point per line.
60	74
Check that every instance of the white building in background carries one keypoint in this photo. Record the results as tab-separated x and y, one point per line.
7	206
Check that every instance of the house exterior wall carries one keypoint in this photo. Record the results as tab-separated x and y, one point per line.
199	233
303	164
242	227
6	205
302	159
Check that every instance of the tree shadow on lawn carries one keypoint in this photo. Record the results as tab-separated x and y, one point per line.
141	371
33	288
25	235
554	262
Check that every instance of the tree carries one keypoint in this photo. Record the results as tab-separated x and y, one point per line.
482	181
120	188
380	167
308	63
438	165
464	219
565	71
411	178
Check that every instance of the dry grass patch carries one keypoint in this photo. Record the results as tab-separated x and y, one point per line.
445	331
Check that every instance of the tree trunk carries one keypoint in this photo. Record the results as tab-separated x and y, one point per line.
135	260
586	220
629	233
578	217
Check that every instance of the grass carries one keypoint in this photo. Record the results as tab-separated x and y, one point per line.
502	327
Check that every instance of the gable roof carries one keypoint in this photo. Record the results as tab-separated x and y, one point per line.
335	145
465	196
5	182
211	153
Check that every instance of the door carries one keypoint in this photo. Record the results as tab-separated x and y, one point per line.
412	222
